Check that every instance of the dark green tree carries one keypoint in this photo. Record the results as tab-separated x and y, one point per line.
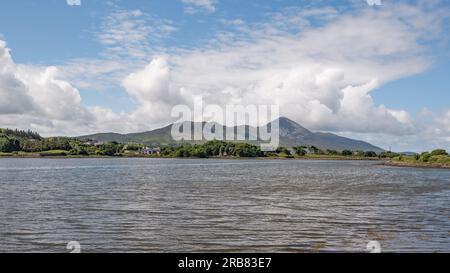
370	154
347	153
439	152
8	145
299	150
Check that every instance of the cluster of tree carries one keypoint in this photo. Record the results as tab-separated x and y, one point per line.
304	150
212	149
46	144
133	147
237	149
20	134
11	140
9	144
435	155
388	155
31	142
110	149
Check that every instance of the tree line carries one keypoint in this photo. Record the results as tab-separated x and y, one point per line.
13	141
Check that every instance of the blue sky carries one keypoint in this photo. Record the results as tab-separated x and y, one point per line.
430	89
95	46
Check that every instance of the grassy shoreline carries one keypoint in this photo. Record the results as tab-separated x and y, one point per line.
437	159
417	165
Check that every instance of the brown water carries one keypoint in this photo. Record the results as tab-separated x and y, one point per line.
149	205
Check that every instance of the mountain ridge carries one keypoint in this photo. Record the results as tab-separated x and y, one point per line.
291	134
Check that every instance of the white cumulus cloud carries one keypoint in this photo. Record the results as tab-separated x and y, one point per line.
73	2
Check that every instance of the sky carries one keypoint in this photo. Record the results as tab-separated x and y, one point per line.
378	73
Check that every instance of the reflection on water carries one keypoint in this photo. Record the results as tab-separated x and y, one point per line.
149	205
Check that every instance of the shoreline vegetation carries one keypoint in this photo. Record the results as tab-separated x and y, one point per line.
436	159
28	144
417	165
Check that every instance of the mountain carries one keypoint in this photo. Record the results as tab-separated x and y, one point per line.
161	136
291	134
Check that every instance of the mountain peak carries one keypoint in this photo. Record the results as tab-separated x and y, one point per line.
290	127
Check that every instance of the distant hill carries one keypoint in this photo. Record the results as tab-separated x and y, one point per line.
161	136
408	153
291	134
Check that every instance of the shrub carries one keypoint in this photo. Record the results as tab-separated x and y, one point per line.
299	150
388	155
283	150
8	144
347	153
110	149
441	159
439	152
425	157
315	150
370	154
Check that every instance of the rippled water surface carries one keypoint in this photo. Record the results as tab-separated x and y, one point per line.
169	205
